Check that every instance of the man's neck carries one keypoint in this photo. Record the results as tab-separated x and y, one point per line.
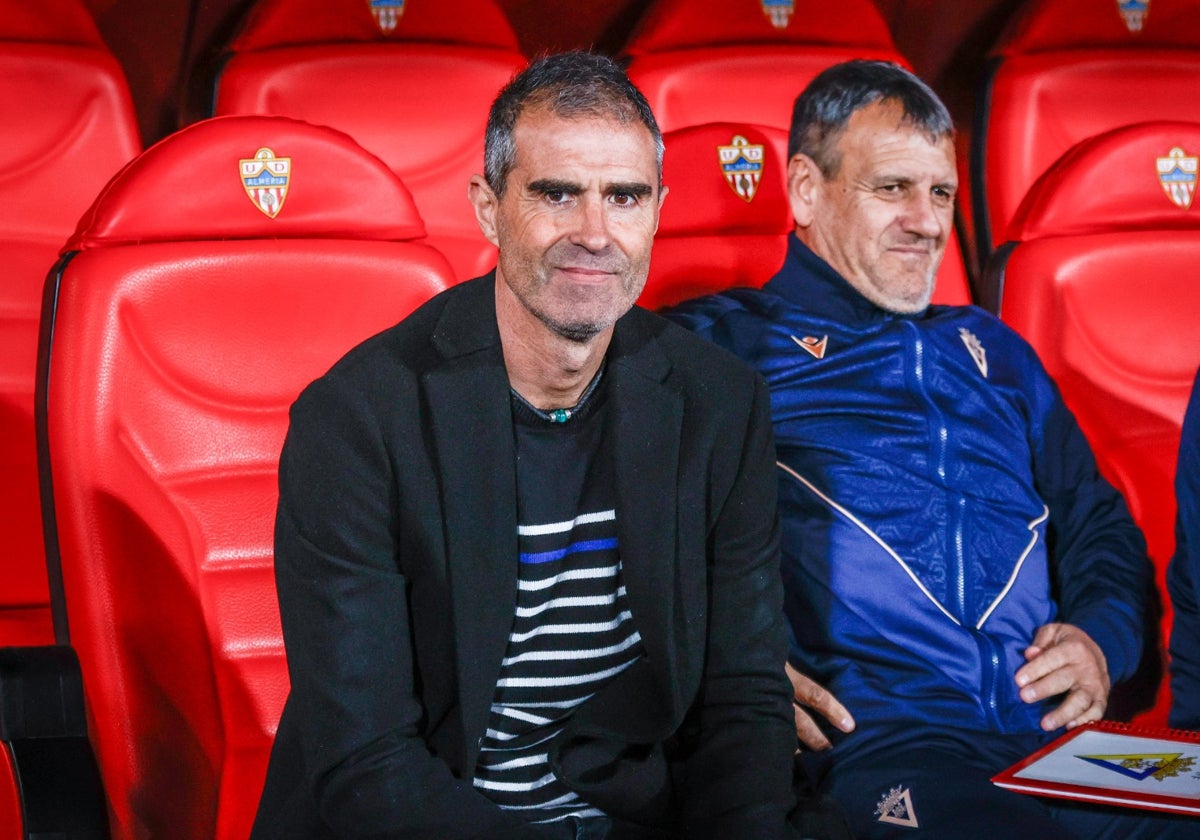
547	369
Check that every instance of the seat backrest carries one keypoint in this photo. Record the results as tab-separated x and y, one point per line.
726	218
746	60
212	279
411	81
1067	70
67	127
1101	279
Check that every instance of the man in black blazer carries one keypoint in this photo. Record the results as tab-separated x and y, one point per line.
526	544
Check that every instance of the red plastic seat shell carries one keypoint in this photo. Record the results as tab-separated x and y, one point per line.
279	23
1101	282
709	237
68	127
1051	25
669	25
417	95
178	342
1043	104
392	99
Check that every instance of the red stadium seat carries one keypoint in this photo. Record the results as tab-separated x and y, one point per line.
412	84
1067	70
1101	279
726	218
214	277
745	61
68	126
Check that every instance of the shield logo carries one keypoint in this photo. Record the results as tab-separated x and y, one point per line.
265	178
1134	13
1177	173
779	12
742	165
387	13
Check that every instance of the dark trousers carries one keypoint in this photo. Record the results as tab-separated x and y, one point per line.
936	783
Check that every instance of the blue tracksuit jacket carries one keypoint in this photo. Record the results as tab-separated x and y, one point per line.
939	502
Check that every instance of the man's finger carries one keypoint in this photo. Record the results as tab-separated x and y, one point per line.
814	696
808	732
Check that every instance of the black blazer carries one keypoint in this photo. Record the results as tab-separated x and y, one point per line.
396	547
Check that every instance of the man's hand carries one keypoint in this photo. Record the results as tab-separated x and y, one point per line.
809	694
1064	659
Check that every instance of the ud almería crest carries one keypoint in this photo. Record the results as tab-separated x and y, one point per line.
1177	173
779	12
387	13
742	165
1134	13
265	178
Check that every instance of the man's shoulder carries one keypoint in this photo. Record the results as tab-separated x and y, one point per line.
736	319
738	303
697	368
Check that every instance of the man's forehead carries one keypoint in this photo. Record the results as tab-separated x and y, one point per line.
583	148
540	123
885	137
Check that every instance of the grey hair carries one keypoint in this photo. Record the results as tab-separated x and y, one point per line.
824	108
571	84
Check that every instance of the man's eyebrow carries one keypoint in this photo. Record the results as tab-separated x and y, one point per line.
634	188
545	186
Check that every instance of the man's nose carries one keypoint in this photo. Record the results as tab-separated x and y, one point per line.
924	216
591	228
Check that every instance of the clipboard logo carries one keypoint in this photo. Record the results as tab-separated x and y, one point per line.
1140	767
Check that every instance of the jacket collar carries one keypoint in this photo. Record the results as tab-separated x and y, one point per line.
814	285
476	458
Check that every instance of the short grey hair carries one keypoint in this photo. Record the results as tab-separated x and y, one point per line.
571	84
824	108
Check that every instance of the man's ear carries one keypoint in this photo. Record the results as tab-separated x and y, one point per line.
804	181
662	195
486	205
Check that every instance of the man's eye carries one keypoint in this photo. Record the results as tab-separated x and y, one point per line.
555	196
624	199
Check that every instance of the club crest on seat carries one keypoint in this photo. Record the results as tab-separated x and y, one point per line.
742	164
387	13
1134	13
1177	173
265	178
779	12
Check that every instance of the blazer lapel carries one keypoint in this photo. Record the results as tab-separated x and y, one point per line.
647	423
473	438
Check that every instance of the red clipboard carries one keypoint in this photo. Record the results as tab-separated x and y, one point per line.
1115	764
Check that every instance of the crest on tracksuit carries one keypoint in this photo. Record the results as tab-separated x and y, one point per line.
1134	13
265	178
896	808
387	13
779	12
742	165
1177	173
975	348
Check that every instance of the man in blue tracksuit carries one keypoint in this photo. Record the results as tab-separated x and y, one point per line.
960	579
